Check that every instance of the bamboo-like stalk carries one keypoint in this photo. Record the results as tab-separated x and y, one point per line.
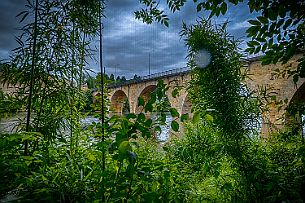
28	117
102	89
82	66
72	88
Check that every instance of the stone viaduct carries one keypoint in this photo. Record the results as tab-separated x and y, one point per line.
259	77
130	91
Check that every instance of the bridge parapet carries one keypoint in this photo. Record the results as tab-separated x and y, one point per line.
151	77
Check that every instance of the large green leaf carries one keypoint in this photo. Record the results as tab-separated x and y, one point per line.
175	125
184	117
174	112
124	147
254	22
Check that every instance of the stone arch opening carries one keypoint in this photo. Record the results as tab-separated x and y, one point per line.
145	94
187	106
299	95
119	103
295	116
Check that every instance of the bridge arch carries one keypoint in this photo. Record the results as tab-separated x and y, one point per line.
119	103
299	95
145	94
296	109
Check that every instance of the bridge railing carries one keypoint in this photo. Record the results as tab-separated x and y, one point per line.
166	73
152	77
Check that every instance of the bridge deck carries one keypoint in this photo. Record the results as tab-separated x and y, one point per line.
169	73
155	76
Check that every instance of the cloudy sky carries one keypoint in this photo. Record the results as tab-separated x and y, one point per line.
129	42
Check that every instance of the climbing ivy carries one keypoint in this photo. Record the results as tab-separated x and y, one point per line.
215	91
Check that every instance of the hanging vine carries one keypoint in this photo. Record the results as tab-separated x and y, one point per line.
216	91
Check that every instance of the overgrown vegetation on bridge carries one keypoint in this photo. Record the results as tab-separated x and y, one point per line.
218	158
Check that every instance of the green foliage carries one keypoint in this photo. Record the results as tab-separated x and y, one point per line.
95	83
152	13
136	77
57	73
91	83
119	79
84	15
68	169
9	104
217	94
295	122
277	32
217	86
194	168
200	155
88	99
111	77
276	169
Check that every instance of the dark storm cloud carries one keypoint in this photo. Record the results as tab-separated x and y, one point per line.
8	24
127	42
133	42
121	4
134	45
